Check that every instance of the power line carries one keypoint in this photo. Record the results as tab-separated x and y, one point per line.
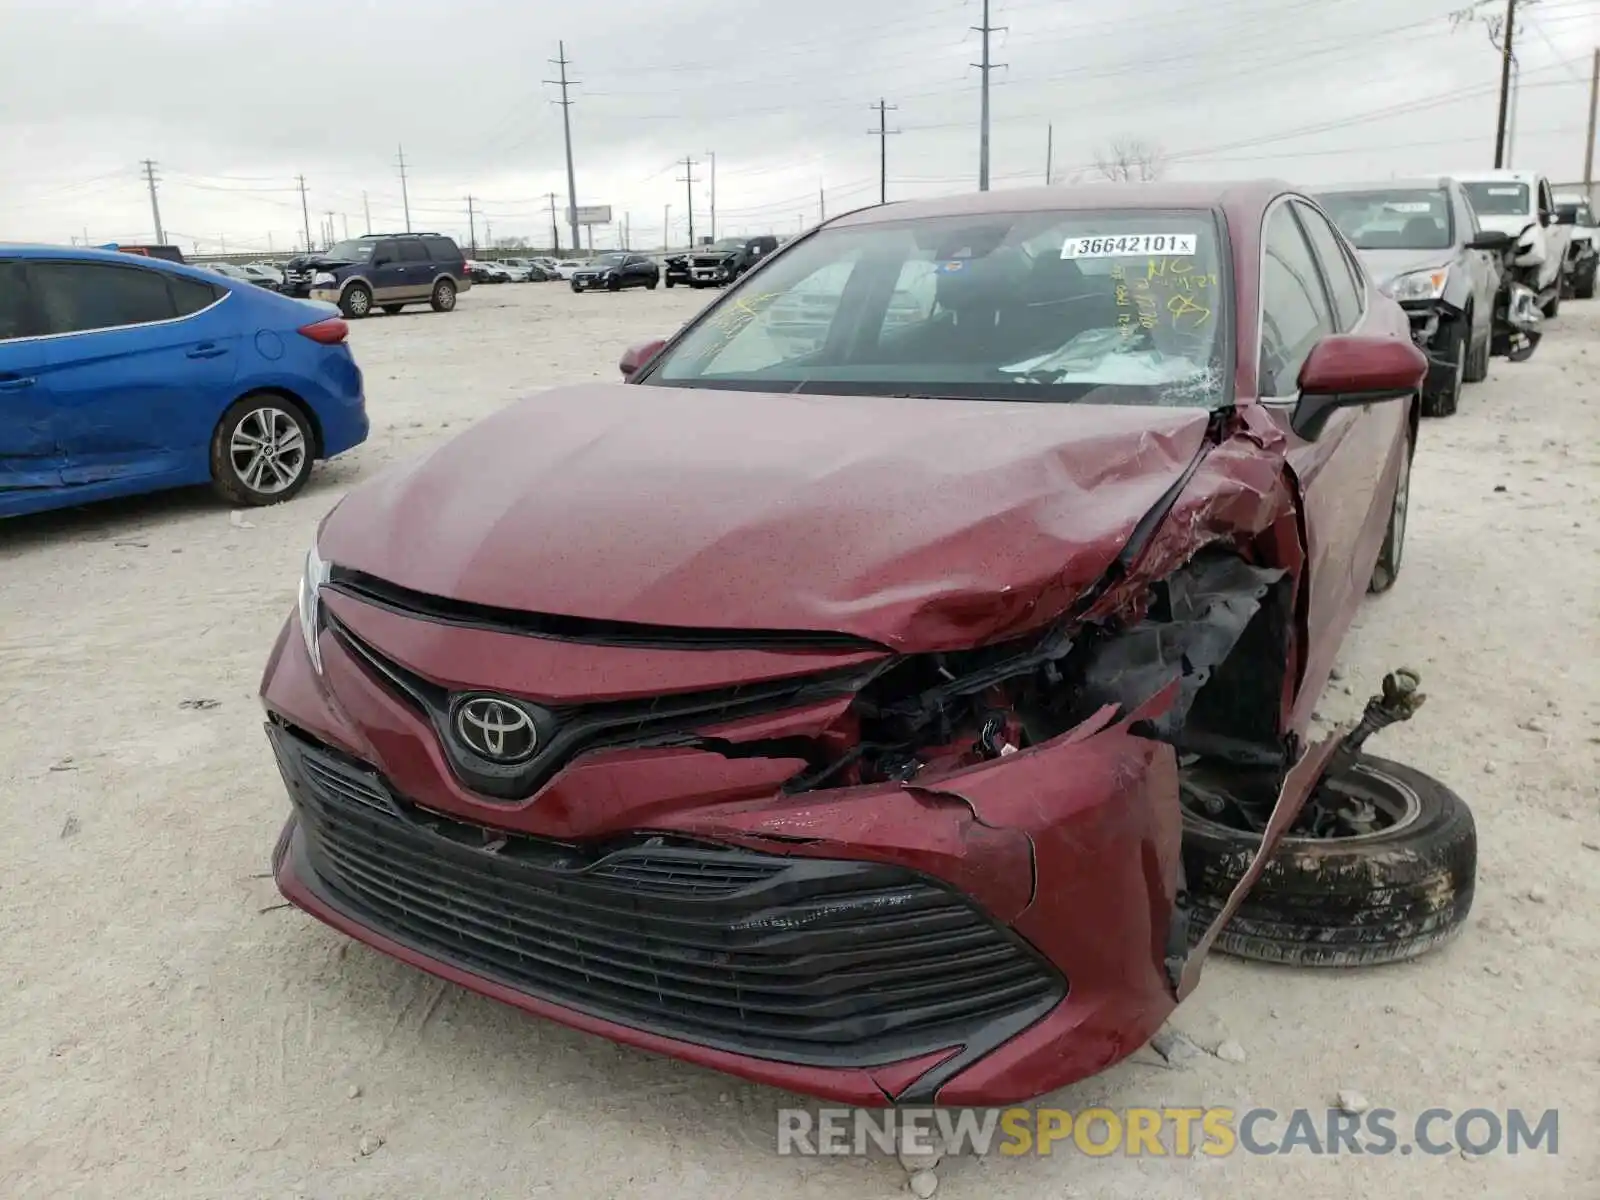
566	124
882	133
155	205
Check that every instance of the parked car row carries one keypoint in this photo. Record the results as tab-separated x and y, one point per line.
1455	251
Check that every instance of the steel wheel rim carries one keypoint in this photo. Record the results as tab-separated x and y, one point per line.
268	451
1388	796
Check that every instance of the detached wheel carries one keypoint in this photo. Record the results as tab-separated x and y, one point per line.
1392	879
1387	569
261	452
356	301
1454	348
443	298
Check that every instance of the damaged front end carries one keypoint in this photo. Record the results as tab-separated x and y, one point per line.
950	876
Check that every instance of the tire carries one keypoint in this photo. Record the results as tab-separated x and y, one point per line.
576	286
443	298
1387	569
1553	308
240	474
1583	285
669	281
1477	369
613	285
392	309
356	302
1384	897
1455	348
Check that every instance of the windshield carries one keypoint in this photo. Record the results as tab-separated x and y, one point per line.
351	251
1393	220
1498	199
610	260
1119	307
727	244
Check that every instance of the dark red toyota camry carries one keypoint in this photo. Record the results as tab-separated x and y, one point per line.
883	691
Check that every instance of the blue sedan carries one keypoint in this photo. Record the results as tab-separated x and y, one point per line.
123	374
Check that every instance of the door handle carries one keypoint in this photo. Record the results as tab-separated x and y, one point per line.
208	351
15	383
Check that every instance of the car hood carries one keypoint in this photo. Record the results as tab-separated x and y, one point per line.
1387	265
1513	224
920	524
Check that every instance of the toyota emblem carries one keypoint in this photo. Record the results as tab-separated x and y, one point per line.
496	731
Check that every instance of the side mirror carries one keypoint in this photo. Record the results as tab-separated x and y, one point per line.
1490	239
636	357
1347	369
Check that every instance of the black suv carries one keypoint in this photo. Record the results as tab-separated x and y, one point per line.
382	270
719	263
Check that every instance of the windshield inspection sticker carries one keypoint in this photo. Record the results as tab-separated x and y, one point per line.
1409	206
1129	245
1506	191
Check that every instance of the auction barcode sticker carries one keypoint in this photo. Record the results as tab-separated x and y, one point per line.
1129	245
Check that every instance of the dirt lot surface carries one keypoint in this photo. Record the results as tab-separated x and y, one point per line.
170	1030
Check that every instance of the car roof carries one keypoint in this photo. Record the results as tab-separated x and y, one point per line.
1236	196
1416	183
95	254
1495	175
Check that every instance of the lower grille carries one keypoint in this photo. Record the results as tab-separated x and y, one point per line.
801	960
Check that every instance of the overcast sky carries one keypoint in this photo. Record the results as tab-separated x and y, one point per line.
235	98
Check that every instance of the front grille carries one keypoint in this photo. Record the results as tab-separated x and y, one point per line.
567	731
802	960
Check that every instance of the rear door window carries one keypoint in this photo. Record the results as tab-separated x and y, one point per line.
16	314
78	297
1295	313
413	251
1342	285
191	295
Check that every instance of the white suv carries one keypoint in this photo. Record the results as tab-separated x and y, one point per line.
1522	204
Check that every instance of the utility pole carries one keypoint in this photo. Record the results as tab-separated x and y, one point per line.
1511	119
689	181
1588	145
882	132
1049	152
712	155
405	196
345	217
305	212
986	67
666	227
328	239
1508	37
155	206
488	235
472	227
366	211
566	125
555	229
822	203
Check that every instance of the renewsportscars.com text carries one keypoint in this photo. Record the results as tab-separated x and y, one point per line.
1166	1132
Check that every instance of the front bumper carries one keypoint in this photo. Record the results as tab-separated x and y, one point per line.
330	295
982	940
1428	318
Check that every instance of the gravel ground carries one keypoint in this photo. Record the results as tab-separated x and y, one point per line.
171	1030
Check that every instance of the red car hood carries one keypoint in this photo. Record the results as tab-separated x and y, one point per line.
920	524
